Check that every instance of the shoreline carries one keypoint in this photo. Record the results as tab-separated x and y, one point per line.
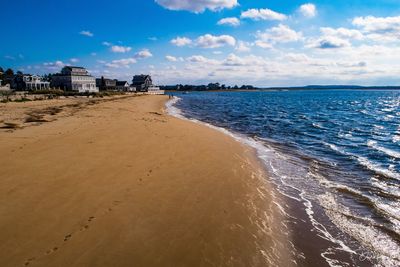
120	182
303	220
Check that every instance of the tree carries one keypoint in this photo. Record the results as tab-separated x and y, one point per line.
1	69
9	72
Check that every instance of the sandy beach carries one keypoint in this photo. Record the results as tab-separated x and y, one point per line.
118	182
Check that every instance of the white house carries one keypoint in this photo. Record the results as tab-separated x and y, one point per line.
34	82
154	90
75	79
122	86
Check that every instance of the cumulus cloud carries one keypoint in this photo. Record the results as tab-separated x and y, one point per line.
243	46
197	6
232	21
120	49
181	41
212	41
206	41
251	60
262	14
86	33
54	66
308	10
329	42
201	59
74	60
171	58
343	33
279	34
106	43
119	63
145	53
379	28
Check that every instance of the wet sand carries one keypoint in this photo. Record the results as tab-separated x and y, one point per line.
120	183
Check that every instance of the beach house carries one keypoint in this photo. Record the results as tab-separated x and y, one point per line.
34	82
75	79
106	84
122	86
142	82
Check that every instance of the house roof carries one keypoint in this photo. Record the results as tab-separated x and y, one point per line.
74	67
141	78
121	83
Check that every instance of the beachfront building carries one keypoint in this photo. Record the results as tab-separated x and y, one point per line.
34	83
122	86
106	84
142	82
155	90
75	79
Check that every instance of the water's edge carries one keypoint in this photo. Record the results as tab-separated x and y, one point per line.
304	221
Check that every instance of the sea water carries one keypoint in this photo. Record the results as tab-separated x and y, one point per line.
333	155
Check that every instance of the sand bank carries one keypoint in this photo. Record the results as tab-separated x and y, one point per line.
120	183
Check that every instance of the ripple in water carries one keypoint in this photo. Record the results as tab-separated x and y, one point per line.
333	154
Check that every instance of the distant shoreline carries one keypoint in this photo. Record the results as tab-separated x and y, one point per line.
304	88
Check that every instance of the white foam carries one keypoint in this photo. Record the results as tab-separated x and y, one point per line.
385	250
377	168
265	153
389	152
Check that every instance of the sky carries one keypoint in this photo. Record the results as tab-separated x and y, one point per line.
258	42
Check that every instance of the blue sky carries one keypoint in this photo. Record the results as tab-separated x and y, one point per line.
265	43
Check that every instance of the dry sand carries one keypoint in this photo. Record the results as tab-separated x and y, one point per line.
120	183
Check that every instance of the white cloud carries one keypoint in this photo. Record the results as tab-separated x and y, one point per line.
243	46
197	58
106	43
232	21
74	60
197	6
120	49
342	33
308	10
86	33
54	65
145	53
297	58
379	28
263	14
212	41
251	60
171	58
279	34
201	59
93	54
181	41
119	63
153	39
329	42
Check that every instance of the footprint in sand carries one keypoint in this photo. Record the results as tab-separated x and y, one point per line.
67	237
28	261
50	251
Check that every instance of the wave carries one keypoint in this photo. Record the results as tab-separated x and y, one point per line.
365	162
383	248
377	168
295	185
266	153
389	152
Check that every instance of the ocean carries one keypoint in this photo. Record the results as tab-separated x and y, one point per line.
334	158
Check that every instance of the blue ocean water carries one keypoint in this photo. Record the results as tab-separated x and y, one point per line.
335	154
